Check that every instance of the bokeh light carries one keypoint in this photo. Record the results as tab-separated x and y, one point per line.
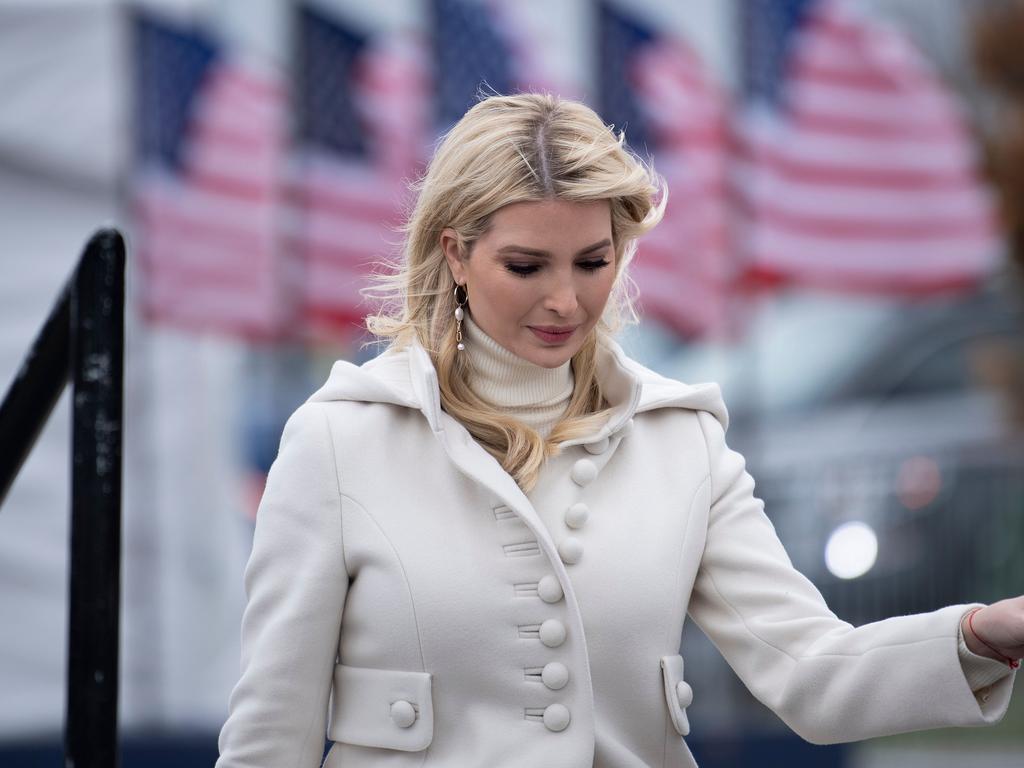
851	550
918	482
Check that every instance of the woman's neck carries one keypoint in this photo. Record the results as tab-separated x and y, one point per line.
535	395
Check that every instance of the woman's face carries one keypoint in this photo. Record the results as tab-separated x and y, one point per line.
539	278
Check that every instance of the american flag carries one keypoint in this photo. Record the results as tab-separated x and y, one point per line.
210	139
363	128
654	86
492	46
469	54
855	169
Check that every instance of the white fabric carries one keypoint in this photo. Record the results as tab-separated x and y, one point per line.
388	539
534	395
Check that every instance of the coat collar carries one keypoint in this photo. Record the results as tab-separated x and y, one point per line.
406	377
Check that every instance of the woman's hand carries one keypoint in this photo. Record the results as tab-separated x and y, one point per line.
997	630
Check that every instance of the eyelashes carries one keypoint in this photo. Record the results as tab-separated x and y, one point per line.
525	270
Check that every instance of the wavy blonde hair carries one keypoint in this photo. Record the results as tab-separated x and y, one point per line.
510	149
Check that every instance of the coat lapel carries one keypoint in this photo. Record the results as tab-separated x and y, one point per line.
468	455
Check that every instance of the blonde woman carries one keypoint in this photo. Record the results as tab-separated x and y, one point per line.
478	548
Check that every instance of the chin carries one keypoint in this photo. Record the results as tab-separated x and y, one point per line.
550	363
551	357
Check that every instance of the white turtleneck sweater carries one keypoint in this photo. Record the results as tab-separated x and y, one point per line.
533	394
538	397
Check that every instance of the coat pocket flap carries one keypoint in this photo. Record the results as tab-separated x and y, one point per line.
381	708
678	694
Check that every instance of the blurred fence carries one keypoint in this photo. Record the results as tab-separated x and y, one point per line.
961	546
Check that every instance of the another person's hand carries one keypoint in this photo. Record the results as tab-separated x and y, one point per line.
997	630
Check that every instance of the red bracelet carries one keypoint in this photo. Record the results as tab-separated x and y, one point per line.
1012	663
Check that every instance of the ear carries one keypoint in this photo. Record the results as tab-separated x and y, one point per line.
450	247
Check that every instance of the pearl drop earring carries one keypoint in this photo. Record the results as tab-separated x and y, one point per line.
459	314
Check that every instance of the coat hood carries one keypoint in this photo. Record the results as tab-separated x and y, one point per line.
406	377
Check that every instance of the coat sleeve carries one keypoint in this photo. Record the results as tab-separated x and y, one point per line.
295	583
828	680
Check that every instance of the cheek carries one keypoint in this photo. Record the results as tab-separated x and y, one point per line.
510	290
505	295
600	288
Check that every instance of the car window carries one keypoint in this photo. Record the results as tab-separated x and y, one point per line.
806	351
799	351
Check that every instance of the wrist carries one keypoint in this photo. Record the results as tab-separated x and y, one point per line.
974	645
978	645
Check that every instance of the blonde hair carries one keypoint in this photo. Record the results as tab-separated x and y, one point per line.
509	149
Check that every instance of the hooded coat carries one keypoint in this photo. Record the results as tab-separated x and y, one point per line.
407	599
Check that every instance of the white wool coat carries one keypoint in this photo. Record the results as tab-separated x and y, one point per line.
408	600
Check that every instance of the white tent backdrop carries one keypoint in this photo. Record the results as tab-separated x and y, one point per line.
64	137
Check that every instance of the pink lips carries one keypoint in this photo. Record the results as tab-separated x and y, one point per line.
552	333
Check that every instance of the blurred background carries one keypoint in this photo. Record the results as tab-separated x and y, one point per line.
842	252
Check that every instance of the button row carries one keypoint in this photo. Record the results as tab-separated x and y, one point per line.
552	632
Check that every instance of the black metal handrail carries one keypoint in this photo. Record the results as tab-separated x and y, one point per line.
82	341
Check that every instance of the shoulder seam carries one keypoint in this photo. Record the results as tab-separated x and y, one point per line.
707	452
337	485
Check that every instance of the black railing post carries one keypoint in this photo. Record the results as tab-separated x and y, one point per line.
83	338
97	366
35	390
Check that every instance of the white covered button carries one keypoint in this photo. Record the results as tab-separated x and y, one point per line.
556	717
570	549
626	428
577	514
598	446
403	714
552	633
549	589
555	675
583	471
684	693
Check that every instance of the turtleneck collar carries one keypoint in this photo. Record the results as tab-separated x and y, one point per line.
535	395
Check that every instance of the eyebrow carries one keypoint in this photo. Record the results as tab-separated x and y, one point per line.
547	255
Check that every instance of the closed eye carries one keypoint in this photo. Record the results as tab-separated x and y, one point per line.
523	270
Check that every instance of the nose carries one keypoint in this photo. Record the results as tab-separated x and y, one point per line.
561	297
